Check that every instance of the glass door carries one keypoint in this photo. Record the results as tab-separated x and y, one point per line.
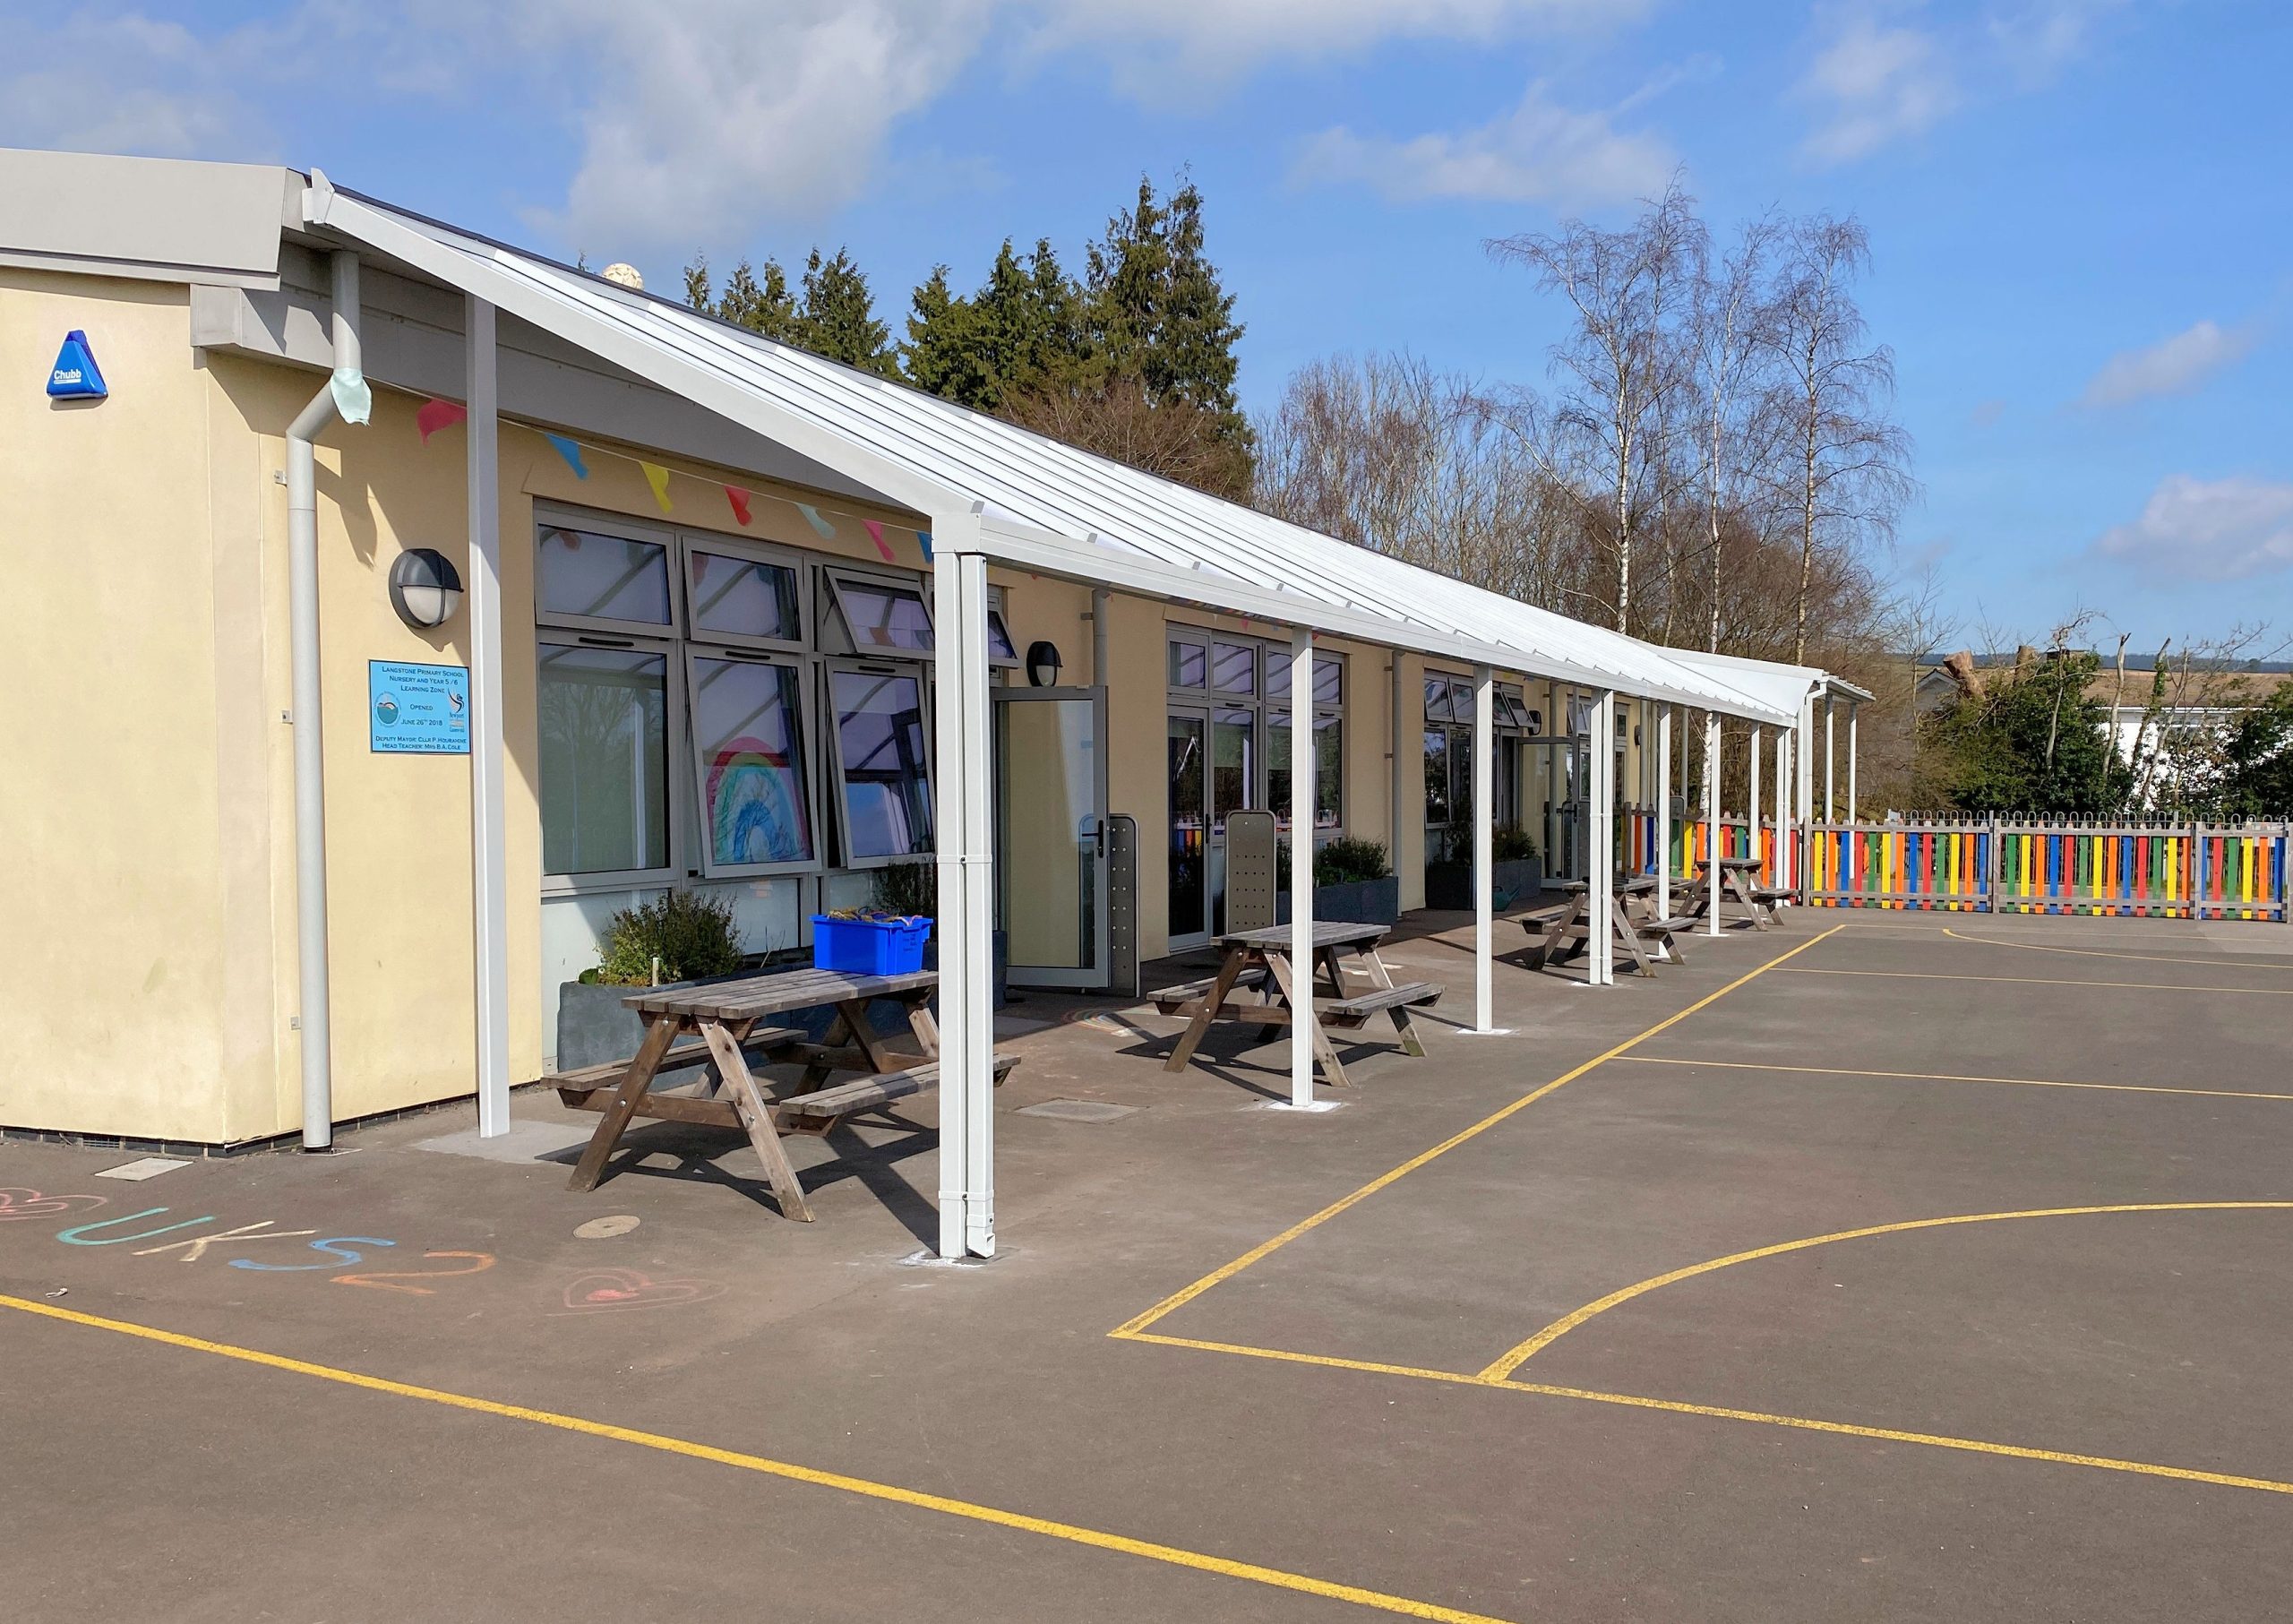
1187	743
1051	835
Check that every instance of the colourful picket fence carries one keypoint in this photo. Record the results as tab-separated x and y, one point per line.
1995	865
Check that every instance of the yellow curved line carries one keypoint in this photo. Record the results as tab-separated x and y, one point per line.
2229	963
1176	1555
1520	1353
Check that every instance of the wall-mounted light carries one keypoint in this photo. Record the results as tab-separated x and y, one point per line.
424	588
1043	665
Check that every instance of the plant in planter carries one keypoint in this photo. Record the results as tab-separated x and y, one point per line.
678	936
1516	874
1352	881
887	937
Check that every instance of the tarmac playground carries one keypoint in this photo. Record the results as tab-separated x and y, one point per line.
1881	1266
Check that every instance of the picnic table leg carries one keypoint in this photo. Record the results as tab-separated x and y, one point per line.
1382	979
855	1017
749	1105
839	1031
921	1022
1672	949
1208	1011
1573	935
1277	967
660	1032
1620	921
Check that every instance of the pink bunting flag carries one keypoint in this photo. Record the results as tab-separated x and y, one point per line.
876	535
435	415
739	498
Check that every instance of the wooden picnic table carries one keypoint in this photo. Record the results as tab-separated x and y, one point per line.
1259	960
731	1021
1737	885
1559	934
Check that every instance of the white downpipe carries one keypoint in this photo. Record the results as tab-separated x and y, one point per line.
1751	817
1099	637
1301	864
1398	811
1851	710
966	891
1831	759
344	394
1782	806
1484	848
489	883
1664	811
1711	822
1601	857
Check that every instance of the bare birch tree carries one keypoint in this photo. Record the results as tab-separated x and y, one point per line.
1727	345
1848	474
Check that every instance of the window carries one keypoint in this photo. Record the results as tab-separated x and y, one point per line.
740	598
604	722
748	750
1000	651
584	576
881	614
1449	753
1233	762
1329	772
1437	778
882	762
1189	665
1234	667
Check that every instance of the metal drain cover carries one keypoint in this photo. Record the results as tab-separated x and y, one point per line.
1078	1111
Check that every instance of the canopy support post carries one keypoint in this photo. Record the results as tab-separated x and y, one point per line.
966	840
1484	848
489	883
1301	865
1664	811
1713	847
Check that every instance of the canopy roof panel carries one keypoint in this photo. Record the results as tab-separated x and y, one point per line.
1042	504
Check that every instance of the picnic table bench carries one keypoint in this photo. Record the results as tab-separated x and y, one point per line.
729	1022
1259	961
1559	933
1739	884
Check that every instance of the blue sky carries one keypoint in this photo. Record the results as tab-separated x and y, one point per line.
2079	208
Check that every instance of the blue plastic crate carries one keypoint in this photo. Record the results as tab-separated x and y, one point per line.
869	947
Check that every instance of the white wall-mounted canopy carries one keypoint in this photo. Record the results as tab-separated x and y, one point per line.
1782	687
1041	505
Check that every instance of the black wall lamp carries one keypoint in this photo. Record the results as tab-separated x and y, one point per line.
1043	665
425	589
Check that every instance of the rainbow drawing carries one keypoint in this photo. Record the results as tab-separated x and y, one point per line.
755	814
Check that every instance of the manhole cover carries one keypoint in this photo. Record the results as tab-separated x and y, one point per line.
1078	1111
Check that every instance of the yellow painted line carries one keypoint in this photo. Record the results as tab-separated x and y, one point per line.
1180	1299
1803	1423
1174	1555
2045	981
2237	961
1952	1077
1515	1356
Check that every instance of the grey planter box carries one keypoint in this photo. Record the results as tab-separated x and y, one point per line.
1515	881
1356	902
593	1027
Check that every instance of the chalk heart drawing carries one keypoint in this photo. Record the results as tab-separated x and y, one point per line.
17	1202
612	1291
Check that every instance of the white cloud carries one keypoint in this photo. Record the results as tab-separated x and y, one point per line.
2217	529
2034	41
1225	36
2171	366
1538	152
1876	85
120	83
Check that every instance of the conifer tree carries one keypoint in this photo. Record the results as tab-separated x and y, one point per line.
837	318
766	308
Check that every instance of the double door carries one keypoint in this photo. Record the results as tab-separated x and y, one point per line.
1215	759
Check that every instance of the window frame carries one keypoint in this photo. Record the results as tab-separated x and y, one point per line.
755	551
704	861
834	573
552	517
832	737
666	648
998	614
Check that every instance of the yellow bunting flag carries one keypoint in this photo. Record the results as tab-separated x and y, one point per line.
658	477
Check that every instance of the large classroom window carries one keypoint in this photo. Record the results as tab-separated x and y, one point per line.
1242	686
714	706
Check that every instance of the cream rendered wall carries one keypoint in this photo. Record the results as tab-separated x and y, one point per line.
118	894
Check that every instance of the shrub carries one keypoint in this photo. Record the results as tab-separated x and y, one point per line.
1347	860
910	891
692	935
1512	844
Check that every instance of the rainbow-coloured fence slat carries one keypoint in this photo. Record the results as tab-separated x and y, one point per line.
1942	866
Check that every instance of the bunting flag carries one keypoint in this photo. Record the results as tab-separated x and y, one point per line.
435	414
923	540
820	527
876	534
658	477
739	498
571	452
